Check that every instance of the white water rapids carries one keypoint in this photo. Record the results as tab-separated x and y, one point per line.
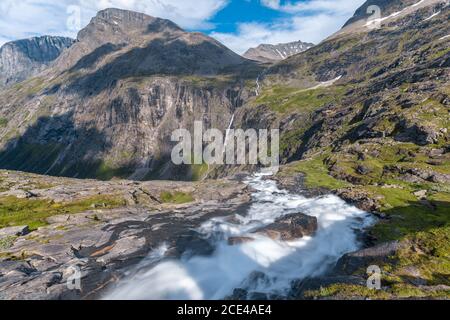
230	267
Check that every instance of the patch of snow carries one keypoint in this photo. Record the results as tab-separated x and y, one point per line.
281	55
326	83
432	16
418	3
393	15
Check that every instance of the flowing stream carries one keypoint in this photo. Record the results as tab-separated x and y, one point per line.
263	265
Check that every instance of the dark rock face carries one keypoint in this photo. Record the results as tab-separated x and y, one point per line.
360	199
232	241
362	259
274	53
291	227
419	134
22	59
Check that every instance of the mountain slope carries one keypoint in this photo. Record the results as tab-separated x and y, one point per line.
129	77
22	59
365	114
272	53
388	13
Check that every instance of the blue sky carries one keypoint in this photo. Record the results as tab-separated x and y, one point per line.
239	24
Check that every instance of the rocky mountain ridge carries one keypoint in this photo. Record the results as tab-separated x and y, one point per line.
268	53
22	59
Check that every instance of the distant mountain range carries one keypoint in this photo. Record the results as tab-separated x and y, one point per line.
274	53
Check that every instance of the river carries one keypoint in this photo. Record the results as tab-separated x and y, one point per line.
263	265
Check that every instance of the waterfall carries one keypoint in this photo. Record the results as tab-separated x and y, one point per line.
228	131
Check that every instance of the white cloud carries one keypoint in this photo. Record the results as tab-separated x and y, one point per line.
272	4
309	21
26	18
330	6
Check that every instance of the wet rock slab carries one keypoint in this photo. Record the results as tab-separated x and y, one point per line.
101	244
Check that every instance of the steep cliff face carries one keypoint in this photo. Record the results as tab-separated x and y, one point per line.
273	53
22	59
109	104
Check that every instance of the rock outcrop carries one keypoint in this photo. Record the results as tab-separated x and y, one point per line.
99	241
22	59
291	227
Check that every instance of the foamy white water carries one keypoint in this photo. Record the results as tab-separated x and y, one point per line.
231	267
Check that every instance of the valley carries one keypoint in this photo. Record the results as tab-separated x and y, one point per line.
364	119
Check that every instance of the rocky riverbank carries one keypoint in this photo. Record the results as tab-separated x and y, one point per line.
413	266
117	224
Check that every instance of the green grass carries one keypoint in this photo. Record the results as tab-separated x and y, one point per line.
33	86
176	197
15	212
106	172
199	171
346	290
317	174
406	215
3	122
423	225
397	291
7	242
286	99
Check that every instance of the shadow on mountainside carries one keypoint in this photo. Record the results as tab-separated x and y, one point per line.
91	59
56	146
160	58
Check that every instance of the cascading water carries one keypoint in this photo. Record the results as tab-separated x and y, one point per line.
231	267
227	132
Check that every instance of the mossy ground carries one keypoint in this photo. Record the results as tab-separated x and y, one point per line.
7	242
422	223
199	171
176	197
15	211
285	99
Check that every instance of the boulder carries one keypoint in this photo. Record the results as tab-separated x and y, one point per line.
421	194
362	259
361	169
359	198
419	134
290	227
233	241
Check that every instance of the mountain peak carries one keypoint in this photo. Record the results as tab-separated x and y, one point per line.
390	8
273	53
118	25
27	57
